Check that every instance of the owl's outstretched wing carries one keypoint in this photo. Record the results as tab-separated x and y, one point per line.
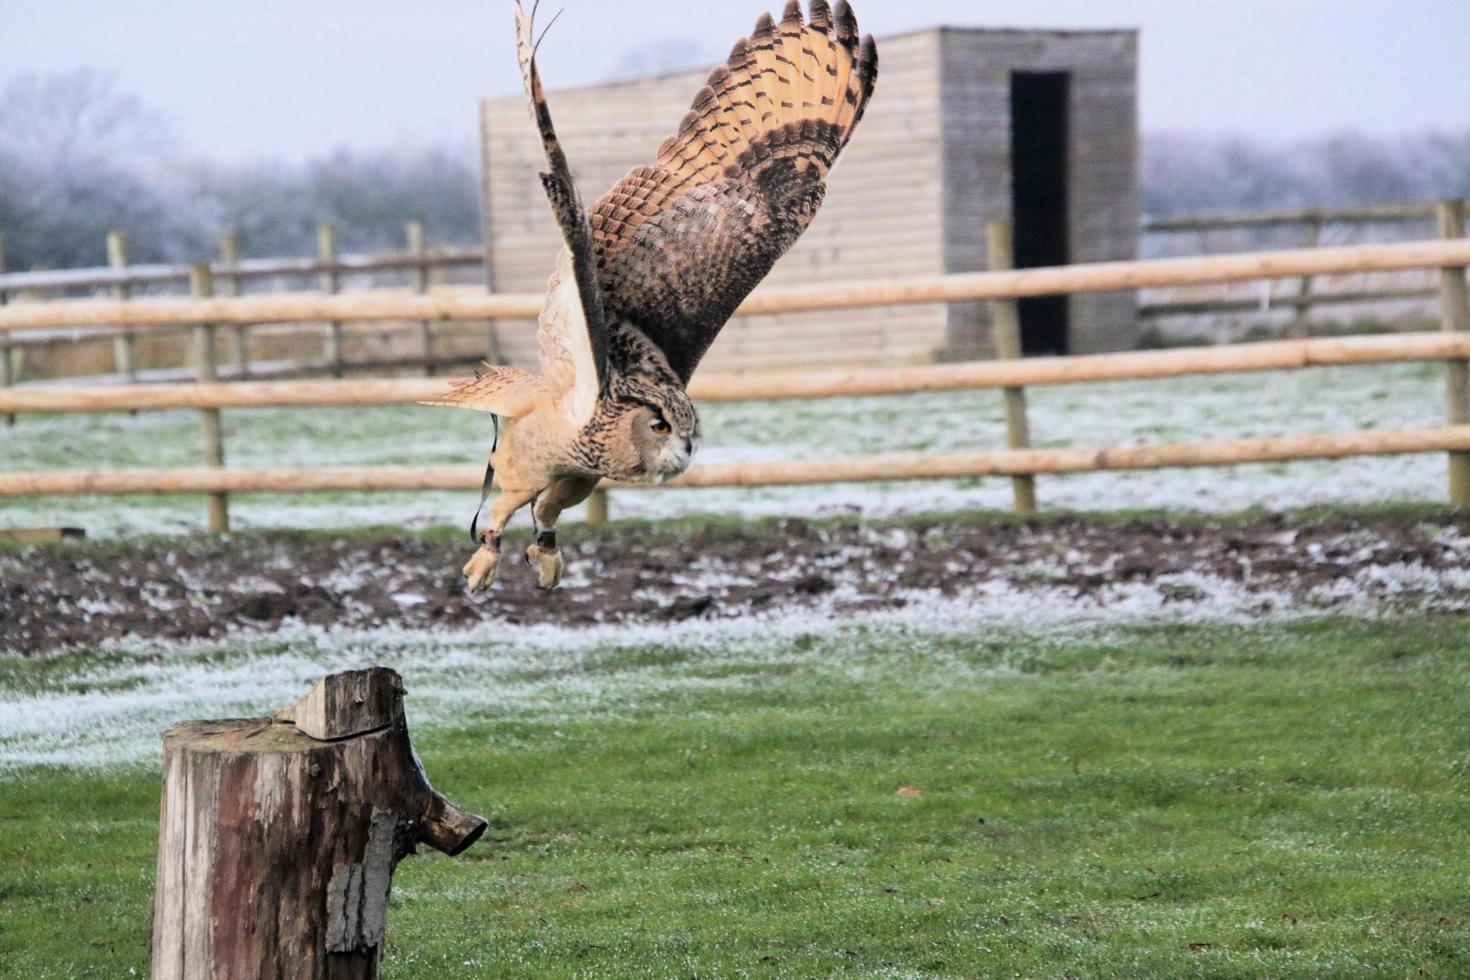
575	304
567	384
682	243
572	328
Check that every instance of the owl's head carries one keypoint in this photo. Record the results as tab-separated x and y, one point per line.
662	428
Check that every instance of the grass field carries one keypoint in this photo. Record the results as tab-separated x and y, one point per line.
1290	799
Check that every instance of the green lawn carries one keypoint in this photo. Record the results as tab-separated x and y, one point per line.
1221	801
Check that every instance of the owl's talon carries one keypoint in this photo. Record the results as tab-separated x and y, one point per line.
546	556
549	567
484	566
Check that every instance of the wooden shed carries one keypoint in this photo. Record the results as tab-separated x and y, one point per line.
967	125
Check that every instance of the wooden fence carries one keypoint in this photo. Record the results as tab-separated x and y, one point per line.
229	268
233	276
1002	287
233	272
1312	222
469	304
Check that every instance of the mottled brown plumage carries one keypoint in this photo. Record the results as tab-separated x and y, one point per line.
682	243
651	274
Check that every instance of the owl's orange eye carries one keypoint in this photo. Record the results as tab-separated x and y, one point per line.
661	427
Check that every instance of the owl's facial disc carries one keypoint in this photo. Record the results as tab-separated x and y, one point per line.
665	445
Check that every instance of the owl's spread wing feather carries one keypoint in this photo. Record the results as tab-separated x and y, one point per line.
505	391
683	242
676	247
582	324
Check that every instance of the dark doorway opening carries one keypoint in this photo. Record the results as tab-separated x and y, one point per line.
1039	109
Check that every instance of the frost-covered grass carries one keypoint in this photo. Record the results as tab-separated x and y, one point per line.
1382	397
1090	800
105	705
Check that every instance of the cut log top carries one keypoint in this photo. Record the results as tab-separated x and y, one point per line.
239	736
337	707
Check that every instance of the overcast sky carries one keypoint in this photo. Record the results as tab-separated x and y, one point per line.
289	78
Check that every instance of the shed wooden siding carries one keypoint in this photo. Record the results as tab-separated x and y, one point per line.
902	201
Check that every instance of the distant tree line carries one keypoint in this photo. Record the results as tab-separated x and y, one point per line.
77	159
1195	175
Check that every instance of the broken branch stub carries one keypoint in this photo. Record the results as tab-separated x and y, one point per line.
348	704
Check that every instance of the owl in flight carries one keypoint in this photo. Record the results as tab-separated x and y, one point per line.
651	273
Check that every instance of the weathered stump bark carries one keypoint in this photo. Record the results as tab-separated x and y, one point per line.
280	835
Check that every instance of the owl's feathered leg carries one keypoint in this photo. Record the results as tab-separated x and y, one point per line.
543	552
484	566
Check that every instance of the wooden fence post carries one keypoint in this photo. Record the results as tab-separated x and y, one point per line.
1455	317
278	837
124	345
1311	238
418	248
1005	326
201	285
326	248
229	257
7	367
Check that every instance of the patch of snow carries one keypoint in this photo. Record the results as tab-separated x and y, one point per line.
255	585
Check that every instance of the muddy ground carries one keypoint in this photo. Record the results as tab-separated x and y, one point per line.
83	594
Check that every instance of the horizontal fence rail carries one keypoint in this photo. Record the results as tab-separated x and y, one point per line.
462	256
1377	214
1298	303
476	305
246	269
1313	223
862	469
1281	355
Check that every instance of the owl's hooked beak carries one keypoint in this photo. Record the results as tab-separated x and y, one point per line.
674	459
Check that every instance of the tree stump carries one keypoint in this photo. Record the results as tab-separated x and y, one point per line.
280	835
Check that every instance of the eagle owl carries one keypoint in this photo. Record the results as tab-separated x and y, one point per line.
649	276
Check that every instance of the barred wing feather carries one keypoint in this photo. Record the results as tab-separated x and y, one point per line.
680	244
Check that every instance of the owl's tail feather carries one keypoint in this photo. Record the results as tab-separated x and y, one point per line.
505	391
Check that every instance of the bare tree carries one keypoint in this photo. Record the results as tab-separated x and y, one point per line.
52	118
1185	174
75	164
